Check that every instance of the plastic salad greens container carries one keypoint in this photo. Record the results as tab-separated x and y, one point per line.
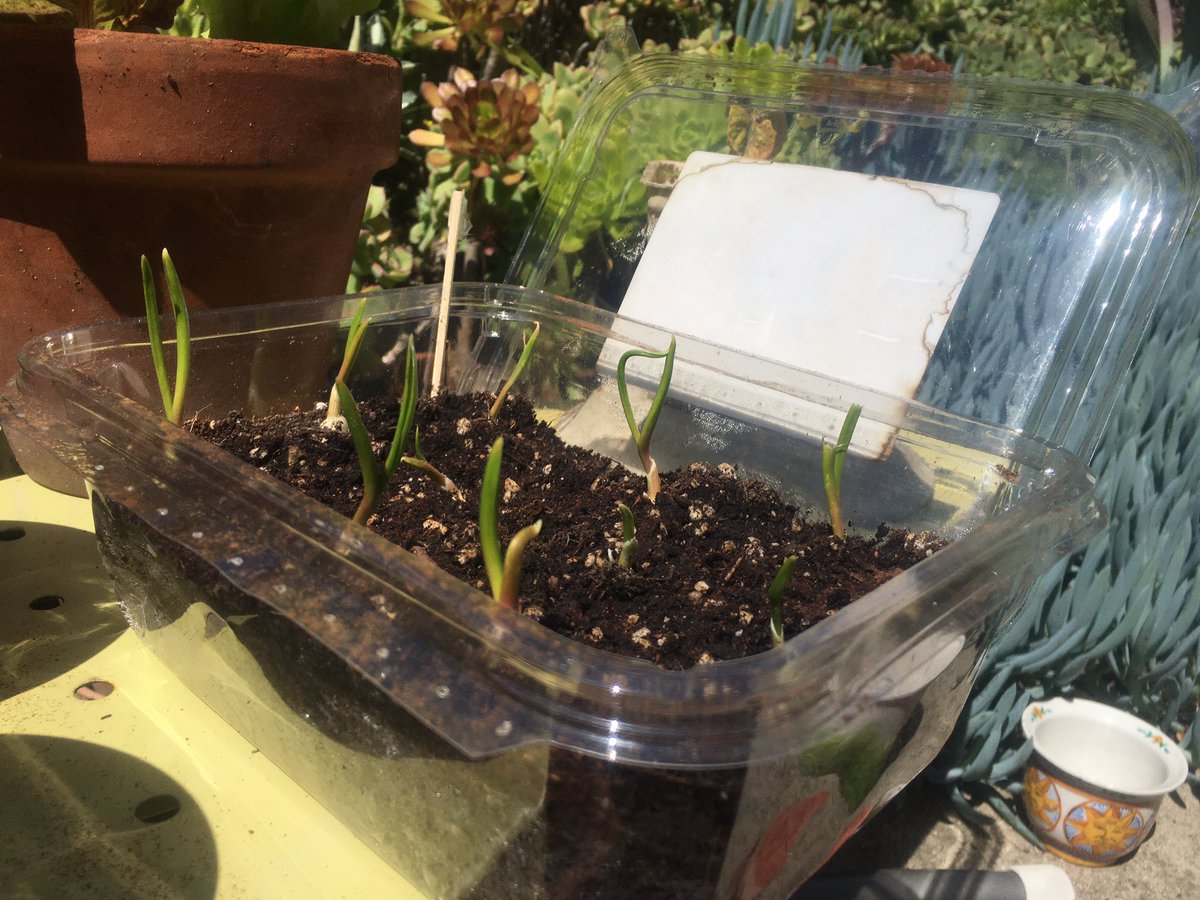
479	753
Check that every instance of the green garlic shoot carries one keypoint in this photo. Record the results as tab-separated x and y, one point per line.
419	462
775	596
833	457
354	339
629	543
526	354
172	399
503	576
376	475
641	436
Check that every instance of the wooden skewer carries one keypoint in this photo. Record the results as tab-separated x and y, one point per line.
439	347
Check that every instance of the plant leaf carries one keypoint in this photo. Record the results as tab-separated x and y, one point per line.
183	339
510	588
775	596
153	329
526	355
642	435
408	411
489	534
372	475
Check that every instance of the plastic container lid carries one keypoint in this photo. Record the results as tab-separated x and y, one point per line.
1096	188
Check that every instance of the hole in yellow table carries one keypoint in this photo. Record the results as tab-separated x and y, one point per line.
94	690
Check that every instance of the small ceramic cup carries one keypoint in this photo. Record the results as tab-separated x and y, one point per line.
1096	778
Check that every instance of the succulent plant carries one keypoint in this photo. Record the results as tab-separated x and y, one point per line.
660	23
1068	40
766	23
755	133
109	15
381	259
921	62
1120	621
483	23
487	122
1072	40
562	89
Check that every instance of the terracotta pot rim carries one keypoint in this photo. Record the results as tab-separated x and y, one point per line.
356	58
150	100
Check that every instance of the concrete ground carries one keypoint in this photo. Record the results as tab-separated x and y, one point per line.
919	830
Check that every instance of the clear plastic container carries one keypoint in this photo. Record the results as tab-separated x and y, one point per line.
479	753
1096	188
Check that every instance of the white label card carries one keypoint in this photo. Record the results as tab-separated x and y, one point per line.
849	275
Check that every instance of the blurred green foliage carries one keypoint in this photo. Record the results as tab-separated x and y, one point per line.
306	23
107	15
1047	40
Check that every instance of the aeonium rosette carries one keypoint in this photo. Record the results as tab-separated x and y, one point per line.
478	22
487	122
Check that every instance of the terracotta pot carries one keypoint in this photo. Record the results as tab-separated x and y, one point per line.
250	162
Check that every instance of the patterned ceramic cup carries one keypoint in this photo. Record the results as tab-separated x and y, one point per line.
1096	778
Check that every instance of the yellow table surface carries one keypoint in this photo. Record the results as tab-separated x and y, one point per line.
74	773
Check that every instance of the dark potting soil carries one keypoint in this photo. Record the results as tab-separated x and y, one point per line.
708	549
